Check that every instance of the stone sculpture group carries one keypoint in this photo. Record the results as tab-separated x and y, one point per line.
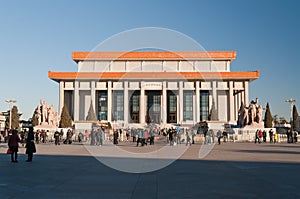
46	114
251	115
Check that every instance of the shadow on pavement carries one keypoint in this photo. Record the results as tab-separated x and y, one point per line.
284	146
269	151
52	176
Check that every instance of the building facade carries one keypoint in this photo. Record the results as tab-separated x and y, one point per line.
160	87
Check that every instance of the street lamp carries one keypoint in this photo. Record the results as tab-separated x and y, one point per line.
291	101
10	107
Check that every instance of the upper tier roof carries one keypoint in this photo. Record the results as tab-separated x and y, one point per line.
199	55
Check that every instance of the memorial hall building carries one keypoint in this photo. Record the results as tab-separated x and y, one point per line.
135	88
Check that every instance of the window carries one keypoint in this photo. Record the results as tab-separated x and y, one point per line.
135	106
187	105
156	103
172	102
171	107
118	105
102	105
204	105
135	103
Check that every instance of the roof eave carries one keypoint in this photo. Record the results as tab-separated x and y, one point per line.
249	76
113	56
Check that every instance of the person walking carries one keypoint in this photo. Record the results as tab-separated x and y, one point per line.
140	137
209	136
260	136
145	137
127	135
102	136
171	137
13	144
193	137
80	137
92	137
61	134
205	139
275	137
69	137
56	137
295	136
116	136
219	135
264	136
151	137
289	136
86	135
256	136
271	135
23	134
98	137
37	137
188	139
30	146
224	135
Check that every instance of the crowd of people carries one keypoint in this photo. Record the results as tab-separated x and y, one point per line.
292	136
147	136
29	138
138	136
261	136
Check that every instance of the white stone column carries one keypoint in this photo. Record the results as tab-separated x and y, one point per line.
197	108
142	104
180	102
228	66
214	93
194	108
164	102
177	107
231	102
238	102
109	101
76	101
215	97
235	105
242	97
126	104
61	96
246	94
93	94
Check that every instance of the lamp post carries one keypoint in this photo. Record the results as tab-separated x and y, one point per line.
10	107
291	101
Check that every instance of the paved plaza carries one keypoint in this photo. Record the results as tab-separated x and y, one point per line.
229	170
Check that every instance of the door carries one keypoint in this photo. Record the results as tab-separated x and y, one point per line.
153	114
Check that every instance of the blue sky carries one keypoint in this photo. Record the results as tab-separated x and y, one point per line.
38	36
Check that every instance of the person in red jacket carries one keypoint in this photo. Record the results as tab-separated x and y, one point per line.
13	144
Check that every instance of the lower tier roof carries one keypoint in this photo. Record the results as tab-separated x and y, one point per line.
65	76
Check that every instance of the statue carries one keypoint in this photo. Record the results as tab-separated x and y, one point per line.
50	112
259	114
246	116
44	110
47	114
251	115
241	114
37	114
56	119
